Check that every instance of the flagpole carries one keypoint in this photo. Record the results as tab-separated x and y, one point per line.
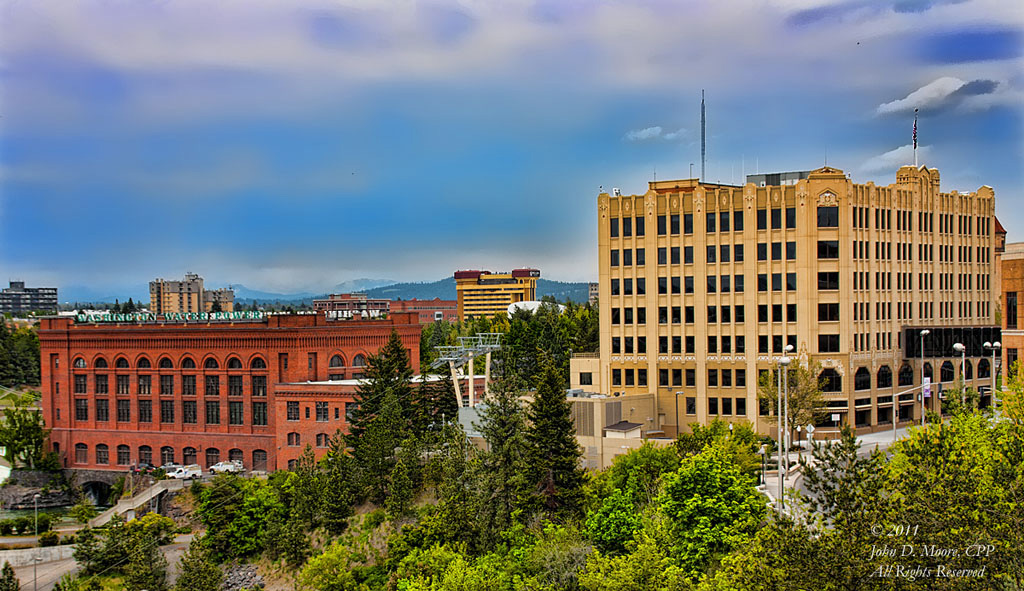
915	138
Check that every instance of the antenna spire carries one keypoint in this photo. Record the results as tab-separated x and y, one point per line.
915	138
703	135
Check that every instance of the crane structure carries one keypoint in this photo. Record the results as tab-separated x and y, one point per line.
462	355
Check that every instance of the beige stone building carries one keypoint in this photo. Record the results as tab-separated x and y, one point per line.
482	293
188	296
703	285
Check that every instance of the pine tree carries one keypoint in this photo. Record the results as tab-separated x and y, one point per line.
336	495
8	581
387	372
130	306
147	567
117	307
554	454
400	490
198	571
216	307
374	453
306	503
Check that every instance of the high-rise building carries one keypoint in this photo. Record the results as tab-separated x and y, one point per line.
188	296
703	286
1012	296
351	305
482	293
18	298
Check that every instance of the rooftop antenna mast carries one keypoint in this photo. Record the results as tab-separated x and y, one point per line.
703	145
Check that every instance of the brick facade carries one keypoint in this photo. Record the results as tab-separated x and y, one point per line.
228	364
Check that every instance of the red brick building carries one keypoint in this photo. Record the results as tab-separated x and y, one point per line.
202	388
429	310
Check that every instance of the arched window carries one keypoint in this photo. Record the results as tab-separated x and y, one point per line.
862	379
188	363
145	454
81	453
831	381
259	460
336	361
906	375
144	363
212	456
968	370
121	363
928	372
234	363
294	439
984	368
258	363
79	363
322	440
166	455
124	455
166	363
101	363
210	363
236	454
188	455
884	377
102	454
946	372
359	361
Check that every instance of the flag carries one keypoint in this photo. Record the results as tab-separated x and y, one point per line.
915	129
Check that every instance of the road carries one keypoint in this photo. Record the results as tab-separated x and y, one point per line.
48	573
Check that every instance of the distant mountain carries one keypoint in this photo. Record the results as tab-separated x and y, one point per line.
84	294
244	294
445	289
360	285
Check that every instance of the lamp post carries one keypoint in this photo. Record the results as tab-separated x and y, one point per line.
677	414
962	350
783	465
35	506
924	333
995	348
35	579
785	397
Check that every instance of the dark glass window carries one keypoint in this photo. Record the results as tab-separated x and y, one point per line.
828	280
674	223
188	385
791	251
711	253
145	411
828	312
212	385
234	385
259	413
828	249
776	219
737	253
188	412
710	217
762	219
790	217
236	415
723	219
828	217
828	343
124	411
293	411
776	251
81	409
762	251
661	226
212	412
613	227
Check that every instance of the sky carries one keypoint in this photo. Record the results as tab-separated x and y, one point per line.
291	146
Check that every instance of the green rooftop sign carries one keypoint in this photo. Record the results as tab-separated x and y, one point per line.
141	317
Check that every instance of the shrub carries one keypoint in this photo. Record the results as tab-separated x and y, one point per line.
83	511
6	527
23	524
45	522
50	538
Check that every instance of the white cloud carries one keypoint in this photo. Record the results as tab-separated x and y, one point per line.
893	159
929	95
654	132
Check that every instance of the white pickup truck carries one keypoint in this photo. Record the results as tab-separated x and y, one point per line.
187	472
234	466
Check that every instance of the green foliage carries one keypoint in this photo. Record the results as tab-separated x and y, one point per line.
8	581
614	523
198	571
147	568
332	570
648	568
131	549
23	434
83	511
741	443
553	452
400	490
287	540
637	473
711	508
388	373
375	451
336	493
783	555
50	538
806	401
19	356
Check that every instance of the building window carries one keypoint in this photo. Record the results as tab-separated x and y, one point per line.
828	280
145	385
102	384
188	412
81	409
166	385
828	343
188	385
712	406
212	412
259	413
234	385
790	217
124	411
884	377
613	227
791	251
124	384
293	411
166	411
828	249
212	456
1011	309
145	411
81	453
322	413
102	410
322	440
762	219
81	384
830	381
188	456
862	379
259	385
661	226
236	415
762	251
640	228
259	460
213	385
616	377
828	217
124	455
776	251
691	405
294	439
615	258
741	407
828	312
145	454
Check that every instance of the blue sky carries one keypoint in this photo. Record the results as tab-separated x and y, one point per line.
293	146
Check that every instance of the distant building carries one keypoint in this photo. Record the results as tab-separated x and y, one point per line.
429	310
188	296
339	306
595	289
1012	288
18	298
482	293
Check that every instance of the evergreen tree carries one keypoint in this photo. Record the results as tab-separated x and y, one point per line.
198	571
387	373
307	485
117	307
147	568
374	453
216	307
401	488
129	307
554	454
336	495
8	581
87	550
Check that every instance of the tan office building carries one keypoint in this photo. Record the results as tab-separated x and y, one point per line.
482	293
188	296
703	285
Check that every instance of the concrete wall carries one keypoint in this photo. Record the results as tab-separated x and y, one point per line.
25	556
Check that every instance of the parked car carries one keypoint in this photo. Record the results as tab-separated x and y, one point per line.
187	472
234	466
142	468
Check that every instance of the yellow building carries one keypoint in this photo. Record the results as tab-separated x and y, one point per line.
702	286
188	296
482	293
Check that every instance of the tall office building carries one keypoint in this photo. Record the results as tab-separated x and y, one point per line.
703	285
18	298
188	296
482	293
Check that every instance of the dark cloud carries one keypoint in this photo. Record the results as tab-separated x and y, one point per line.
448	25
842	10
957	47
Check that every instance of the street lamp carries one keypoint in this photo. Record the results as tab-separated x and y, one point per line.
924	333
677	414
962	350
783	364
785	397
995	348
35	504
